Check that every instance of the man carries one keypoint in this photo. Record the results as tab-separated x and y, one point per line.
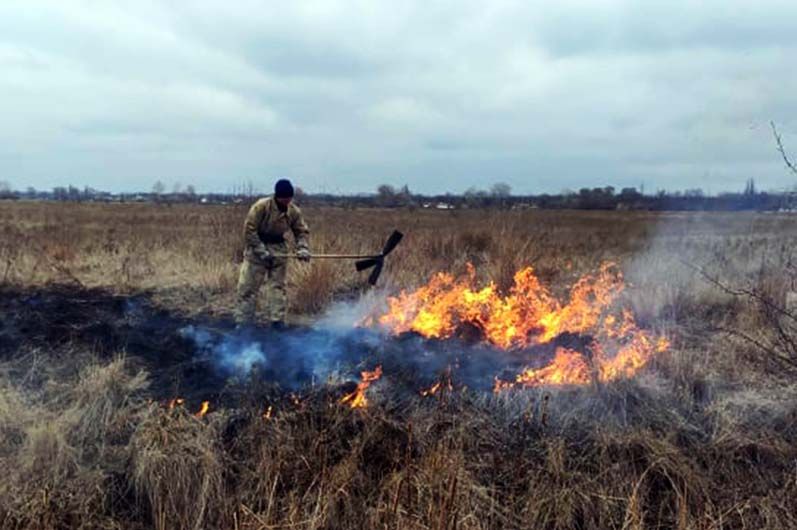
264	238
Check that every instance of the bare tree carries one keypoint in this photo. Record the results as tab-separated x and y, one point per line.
386	190
776	340
475	197
501	190
248	189
158	188
5	189
386	195
781	149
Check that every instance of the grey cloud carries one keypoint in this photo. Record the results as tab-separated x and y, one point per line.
295	58
648	27
441	96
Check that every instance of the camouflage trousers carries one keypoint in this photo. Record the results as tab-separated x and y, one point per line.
251	277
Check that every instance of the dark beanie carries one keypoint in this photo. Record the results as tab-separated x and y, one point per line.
283	189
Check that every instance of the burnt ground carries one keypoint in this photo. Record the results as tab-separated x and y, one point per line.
205	358
63	320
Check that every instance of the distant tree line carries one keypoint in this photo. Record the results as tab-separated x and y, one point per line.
499	195
599	198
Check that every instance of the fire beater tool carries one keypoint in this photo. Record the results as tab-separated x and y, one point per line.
364	261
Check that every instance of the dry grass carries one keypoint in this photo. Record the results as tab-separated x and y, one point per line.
705	439
177	470
196	249
469	462
63	442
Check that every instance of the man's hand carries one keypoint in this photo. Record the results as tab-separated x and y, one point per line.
303	254
262	253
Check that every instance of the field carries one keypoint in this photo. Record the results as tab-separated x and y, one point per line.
104	310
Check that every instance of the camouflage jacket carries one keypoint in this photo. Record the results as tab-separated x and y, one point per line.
266	225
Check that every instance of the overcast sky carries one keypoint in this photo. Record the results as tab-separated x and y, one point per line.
442	96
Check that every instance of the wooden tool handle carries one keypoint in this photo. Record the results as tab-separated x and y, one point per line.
331	256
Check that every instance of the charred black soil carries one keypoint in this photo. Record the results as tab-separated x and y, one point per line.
61	319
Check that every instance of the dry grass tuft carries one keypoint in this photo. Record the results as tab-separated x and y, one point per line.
61	450
177	471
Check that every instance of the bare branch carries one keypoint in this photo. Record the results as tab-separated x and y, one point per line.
771	351
742	292
784	349
781	149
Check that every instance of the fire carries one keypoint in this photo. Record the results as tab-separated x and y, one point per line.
443	385
297	401
529	315
203	409
568	367
179	402
267	413
357	398
431	390
440	386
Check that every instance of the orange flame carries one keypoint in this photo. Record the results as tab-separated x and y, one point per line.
203	409
297	401
267	413
568	367
432	390
440	386
357	398
176	402
443	385
527	315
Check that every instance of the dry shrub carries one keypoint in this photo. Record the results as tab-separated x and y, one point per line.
307	469
62	449
656	480
312	287
177	470
61	253
226	229
475	242
755	410
12	247
559	493
14	413
97	399
438	491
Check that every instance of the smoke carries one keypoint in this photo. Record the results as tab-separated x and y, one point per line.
663	269
337	347
243	358
329	350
